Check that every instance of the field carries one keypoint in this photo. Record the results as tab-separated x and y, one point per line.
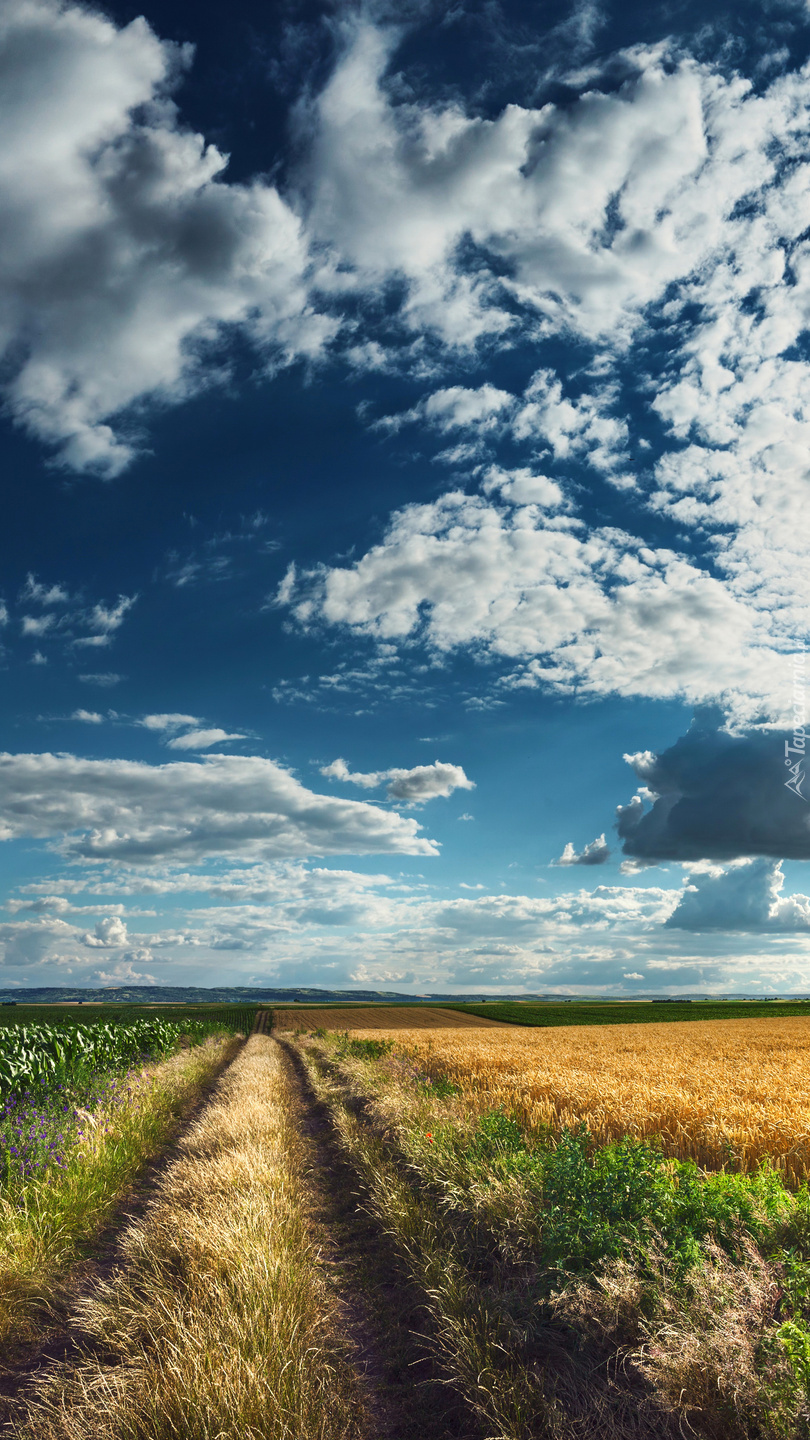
231	1017
718	1092
371	1017
407	1223
626	1012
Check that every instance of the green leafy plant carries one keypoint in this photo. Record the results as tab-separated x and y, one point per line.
364	1049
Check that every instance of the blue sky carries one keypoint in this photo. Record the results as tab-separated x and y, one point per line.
406	419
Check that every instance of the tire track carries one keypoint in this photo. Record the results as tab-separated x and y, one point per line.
385	1313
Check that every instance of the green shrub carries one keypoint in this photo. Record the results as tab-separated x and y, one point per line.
364	1049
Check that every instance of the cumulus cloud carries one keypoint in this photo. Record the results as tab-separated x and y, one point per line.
109	933
455	408
88	717
746	896
276	922
186	811
124	972
584	610
716	795
125	253
596	853
591	209
680	195
414	787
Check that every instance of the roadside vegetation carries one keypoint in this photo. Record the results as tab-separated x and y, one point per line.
219	1320
438	1228
82	1111
580	1285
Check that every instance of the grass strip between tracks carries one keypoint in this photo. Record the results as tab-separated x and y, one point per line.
220	1321
478	1352
49	1221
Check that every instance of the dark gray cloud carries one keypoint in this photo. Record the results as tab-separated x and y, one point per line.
718	796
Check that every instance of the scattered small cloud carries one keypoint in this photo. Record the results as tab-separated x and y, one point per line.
413	787
201	739
596	853
168	722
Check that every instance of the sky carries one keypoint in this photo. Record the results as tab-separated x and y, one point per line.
405	441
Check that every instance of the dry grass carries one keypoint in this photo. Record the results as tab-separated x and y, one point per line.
475	1348
705	1349
220	1322
372	1017
48	1223
719	1092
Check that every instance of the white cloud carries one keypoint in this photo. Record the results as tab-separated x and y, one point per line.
522	487
201	739
37	624
456	408
168	722
43	594
63	617
104	620
105	679
125	253
186	811
593	208
88	717
746	896
124	972
680	195
414	787
193	738
28	942
284	922
109	933
596	853
592	611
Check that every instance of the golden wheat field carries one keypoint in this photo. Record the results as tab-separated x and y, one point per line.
369	1017
716	1091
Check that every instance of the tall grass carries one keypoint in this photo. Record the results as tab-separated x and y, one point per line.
220	1321
580	1289
478	1347
49	1216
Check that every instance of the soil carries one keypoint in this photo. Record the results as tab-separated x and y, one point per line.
408	1394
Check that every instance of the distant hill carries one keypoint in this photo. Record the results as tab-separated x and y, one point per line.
256	995
190	995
